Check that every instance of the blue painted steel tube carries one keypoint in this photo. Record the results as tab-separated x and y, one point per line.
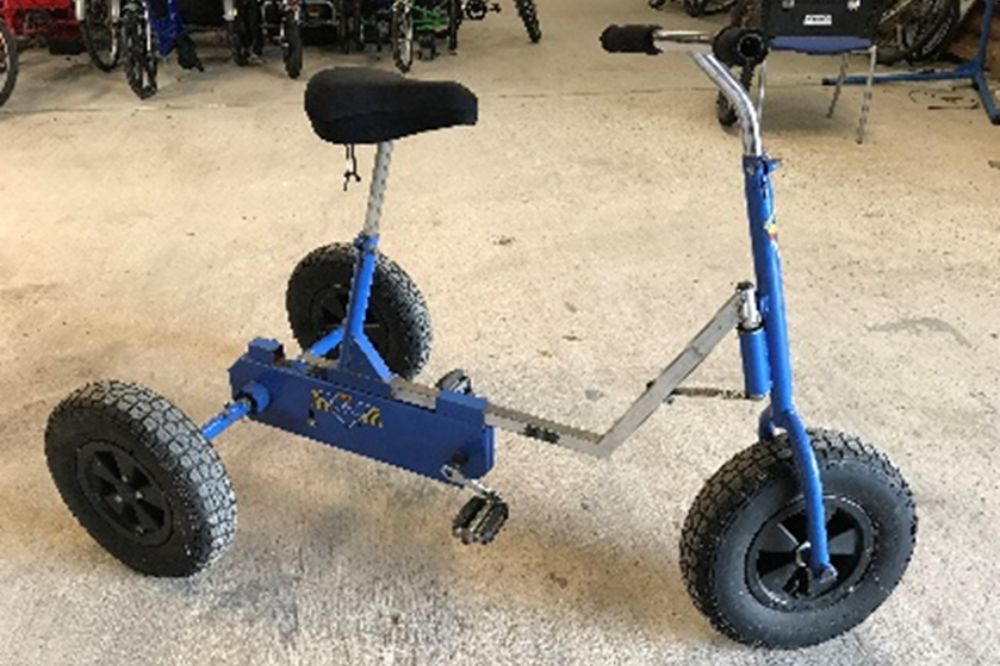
361	287
327	343
812	490
230	414
756	373
767	268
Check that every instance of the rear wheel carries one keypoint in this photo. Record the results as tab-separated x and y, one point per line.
402	34
100	35
141	479
8	63
744	546
139	50
397	323
529	16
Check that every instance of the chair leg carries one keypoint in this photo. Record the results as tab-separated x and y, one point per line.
866	105
840	86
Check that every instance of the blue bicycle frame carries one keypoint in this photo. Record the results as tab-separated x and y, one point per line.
355	402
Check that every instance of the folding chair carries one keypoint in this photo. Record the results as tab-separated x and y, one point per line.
817	27
843	46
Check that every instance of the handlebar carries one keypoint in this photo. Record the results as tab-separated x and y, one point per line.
650	39
731	47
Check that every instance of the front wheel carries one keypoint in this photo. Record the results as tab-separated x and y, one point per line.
139	49
744	546
8	63
141	479
529	16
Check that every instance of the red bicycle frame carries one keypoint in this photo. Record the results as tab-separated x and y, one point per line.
46	20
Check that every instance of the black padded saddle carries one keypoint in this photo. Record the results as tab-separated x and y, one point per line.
359	105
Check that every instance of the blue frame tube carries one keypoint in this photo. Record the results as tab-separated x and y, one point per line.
781	412
357	307
229	415
756	374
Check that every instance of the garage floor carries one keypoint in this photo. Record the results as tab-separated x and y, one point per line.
568	246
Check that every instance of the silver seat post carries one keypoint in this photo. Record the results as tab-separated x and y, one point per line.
376	196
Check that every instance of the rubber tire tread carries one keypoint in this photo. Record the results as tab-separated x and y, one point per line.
186	467
528	12
391	287
736	485
10	81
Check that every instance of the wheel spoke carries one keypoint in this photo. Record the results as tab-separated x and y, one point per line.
152	496
101	471
115	501
146	521
779	578
778	539
845	543
126	466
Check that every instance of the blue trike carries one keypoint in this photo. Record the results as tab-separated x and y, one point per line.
794	540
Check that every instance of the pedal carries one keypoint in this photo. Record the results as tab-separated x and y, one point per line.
482	517
456	381
461	527
480	520
492	521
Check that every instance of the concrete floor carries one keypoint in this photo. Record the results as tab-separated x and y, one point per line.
568	246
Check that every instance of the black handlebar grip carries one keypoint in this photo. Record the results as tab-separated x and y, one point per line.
739	47
630	39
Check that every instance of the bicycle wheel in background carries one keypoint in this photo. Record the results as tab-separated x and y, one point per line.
291	44
726	112
913	30
402	34
139	50
454	20
939	37
8	63
707	7
100	34
529	16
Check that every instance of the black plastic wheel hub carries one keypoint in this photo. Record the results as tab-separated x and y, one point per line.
124	493
777	563
330	312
